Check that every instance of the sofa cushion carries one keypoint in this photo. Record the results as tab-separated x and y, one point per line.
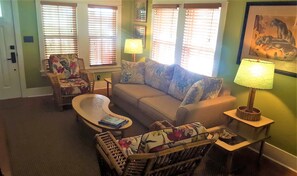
158	75
159	107
65	65
194	94
132	72
211	88
130	145
170	137
133	92
182	81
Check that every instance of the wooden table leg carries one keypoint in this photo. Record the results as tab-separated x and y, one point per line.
229	162
261	151
107	85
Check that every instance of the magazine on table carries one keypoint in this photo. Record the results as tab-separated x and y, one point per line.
112	121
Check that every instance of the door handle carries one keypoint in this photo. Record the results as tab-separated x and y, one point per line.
13	58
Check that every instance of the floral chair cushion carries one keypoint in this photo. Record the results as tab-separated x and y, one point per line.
182	81
130	145
65	65
74	86
132	72
158	75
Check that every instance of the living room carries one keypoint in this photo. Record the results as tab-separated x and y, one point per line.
278	103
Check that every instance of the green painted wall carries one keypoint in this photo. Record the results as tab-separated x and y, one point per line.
279	103
28	23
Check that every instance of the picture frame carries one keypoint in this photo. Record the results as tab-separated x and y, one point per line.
140	33
270	33
140	10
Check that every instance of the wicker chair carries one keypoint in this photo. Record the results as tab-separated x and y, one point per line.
65	88
179	160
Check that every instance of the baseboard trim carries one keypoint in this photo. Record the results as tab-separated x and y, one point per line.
37	92
279	156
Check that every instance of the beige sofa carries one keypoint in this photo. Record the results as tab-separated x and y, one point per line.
148	105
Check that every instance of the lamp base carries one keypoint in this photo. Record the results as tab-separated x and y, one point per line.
243	113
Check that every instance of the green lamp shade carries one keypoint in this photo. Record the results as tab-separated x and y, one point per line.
256	74
133	46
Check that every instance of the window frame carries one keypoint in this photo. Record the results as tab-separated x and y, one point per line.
82	32
181	23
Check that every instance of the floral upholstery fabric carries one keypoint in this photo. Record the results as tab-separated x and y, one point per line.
194	94
132	72
65	65
182	81
158	75
73	86
212	87
162	139
130	145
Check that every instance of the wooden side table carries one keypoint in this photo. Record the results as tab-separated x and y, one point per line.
252	131
108	82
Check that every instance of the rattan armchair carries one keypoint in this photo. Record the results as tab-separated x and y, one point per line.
179	160
67	87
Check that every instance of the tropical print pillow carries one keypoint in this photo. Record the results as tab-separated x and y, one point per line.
74	86
130	145
170	137
64	65
158	75
132	72
182	81
194	94
212	87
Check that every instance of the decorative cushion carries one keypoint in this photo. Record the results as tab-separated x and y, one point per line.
212	87
132	72
158	75
73	86
170	137
130	145
65	65
182	81
194	94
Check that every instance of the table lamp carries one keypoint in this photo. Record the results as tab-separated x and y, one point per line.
133	46
255	74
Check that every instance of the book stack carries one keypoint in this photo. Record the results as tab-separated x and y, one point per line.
111	121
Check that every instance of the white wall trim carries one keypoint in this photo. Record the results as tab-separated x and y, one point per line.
279	156
39	91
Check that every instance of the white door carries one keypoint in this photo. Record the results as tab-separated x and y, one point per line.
9	70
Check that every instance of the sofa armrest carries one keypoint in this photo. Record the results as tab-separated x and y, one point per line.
115	77
207	112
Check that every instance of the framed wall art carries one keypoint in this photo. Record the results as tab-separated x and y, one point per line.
140	32
140	10
270	33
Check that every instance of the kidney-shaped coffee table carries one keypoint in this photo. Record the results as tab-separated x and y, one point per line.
92	108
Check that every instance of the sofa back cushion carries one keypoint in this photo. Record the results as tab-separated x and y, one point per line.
170	137
181	82
132	72
158	75
65	65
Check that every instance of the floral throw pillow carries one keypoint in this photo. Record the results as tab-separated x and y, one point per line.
212	87
132	72
194	94
170	137
64	65
182	81
158	75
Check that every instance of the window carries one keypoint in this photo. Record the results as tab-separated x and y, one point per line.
102	35
89	28
164	33
59	28
198	36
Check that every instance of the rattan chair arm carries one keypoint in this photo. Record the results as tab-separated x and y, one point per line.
112	150
104	156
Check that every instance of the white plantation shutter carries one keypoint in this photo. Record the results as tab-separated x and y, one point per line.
164	33
59	28
102	35
200	37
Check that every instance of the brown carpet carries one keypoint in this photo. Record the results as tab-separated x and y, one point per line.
45	142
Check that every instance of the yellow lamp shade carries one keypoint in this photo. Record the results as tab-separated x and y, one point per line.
133	46
256	74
